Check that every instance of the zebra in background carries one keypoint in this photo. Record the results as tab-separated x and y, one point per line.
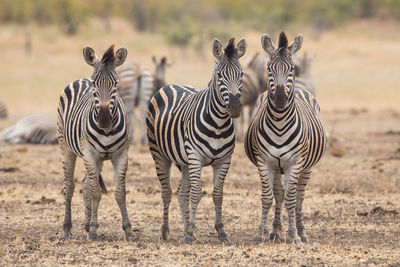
286	137
159	73
92	124
31	129
194	128
302	67
135	87
3	110
254	84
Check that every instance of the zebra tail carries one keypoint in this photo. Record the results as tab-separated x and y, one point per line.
102	185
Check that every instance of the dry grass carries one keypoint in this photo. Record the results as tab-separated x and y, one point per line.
352	202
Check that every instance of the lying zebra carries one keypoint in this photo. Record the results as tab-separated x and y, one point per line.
31	129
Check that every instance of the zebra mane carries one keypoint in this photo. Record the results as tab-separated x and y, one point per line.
283	44
108	57
230	50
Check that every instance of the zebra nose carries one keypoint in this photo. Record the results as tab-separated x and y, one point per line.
234	106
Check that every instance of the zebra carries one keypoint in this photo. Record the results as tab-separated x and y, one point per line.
254	84
31	129
3	111
92	124
302	67
159	73
285	136
193	128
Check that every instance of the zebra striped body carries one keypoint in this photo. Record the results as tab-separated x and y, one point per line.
136	86
31	129
285	136
254	84
304	78
3	110
192	129
77	122
92	124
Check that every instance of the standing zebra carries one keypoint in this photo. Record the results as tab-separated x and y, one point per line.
302	67
159	73
92	124
254	84
286	137
3	111
193	128
135	87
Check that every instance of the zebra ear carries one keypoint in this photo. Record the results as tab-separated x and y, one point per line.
241	48
90	56
154	60
120	56
267	44
217	48
296	45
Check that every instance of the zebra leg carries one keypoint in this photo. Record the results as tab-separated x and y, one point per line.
131	117
120	164
163	167
238	124
183	195
267	180
195	195
87	202
144	101
219	172
276	234
92	165
251	109
291	181
68	161
304	178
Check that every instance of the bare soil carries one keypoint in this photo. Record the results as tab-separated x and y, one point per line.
352	207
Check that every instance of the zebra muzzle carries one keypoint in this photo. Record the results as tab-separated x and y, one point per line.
280	97
105	118
234	106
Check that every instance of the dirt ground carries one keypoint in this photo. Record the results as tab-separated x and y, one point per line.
351	207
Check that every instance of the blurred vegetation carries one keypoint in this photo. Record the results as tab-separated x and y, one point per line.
182	20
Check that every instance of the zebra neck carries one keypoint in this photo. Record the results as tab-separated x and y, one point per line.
94	117
280	118
216	110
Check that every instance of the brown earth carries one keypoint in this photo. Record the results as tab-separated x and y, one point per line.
351	207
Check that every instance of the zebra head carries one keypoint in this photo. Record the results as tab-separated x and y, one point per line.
280	68
229	73
104	80
159	74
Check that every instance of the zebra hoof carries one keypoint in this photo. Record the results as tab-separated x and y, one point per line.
225	240
67	235
275	238
257	240
304	239
92	236
189	239
164	232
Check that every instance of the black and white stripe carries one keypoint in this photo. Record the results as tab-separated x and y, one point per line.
192	129
254	84
92	124
31	129
136	86
304	79
286	137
